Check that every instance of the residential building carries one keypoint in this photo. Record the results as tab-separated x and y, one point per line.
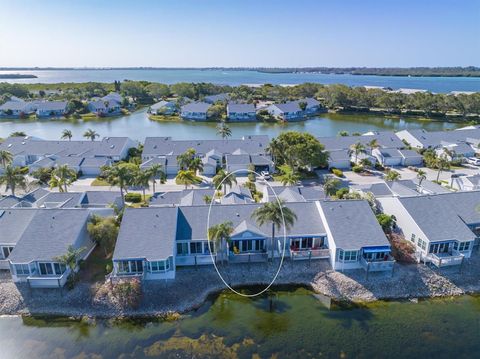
27	151
222	97
51	108
163	108
467	183
400	188
292	110
293	193
344	231
241	112
444	228
394	157
355	239
196	111
424	139
39	237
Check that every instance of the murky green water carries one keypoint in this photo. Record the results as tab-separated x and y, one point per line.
284	323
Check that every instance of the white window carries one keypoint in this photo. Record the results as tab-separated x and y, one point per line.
347	256
462	246
413	238
6	251
22	269
182	249
160	266
196	248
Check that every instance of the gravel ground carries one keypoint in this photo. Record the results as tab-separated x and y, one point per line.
192	287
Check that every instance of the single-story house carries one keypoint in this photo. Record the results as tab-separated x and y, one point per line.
339	159
442	227
400	188
145	246
104	108
467	183
241	112
388	156
457	150
47	236
196	111
241	162
293	193
222	97
16	108
355	239
293	110
411	158
51	108
421	138
28	150
163	108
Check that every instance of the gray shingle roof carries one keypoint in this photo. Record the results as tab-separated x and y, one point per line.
192	221
386	139
51	105
60	200
49	234
161	146
240	107
201	107
440	216
13	223
109	146
353	224
147	233
435	138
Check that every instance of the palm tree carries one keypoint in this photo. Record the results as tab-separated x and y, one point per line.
6	158
196	165
421	175
276	213
184	160
186	178
13	177
274	149
223	130
373	144
156	171
142	179
62	177
207	199
66	134
91	134
289	176
120	175
331	186
357	149
225	178
442	163
70	258
220	235
393	176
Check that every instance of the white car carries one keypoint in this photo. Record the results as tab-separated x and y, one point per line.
473	161
265	175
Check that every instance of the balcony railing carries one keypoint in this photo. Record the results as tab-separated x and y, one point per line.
194	259
445	259
302	254
36	281
248	257
377	266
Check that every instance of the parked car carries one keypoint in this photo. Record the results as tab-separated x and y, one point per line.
265	175
473	161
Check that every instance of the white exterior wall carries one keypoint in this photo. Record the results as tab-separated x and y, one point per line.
392	206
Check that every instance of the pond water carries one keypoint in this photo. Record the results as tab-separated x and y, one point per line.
230	77
138	126
293	323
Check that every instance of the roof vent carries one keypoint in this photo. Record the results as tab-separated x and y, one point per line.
23	142
237	214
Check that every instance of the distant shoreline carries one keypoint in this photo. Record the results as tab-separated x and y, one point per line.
470	71
17	76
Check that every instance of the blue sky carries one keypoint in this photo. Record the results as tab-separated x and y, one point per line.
177	33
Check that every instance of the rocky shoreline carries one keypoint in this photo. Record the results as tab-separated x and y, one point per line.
193	286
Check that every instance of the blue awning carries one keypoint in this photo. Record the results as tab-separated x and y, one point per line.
376	249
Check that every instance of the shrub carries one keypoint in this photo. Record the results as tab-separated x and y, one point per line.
379	167
337	172
108	268
133	197
357	169
342	193
128	293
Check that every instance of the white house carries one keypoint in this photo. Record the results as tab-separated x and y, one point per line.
163	108
442	227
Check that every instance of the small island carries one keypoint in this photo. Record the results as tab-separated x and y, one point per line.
17	76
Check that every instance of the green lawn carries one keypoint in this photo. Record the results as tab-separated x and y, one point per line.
93	269
161	118
99	182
